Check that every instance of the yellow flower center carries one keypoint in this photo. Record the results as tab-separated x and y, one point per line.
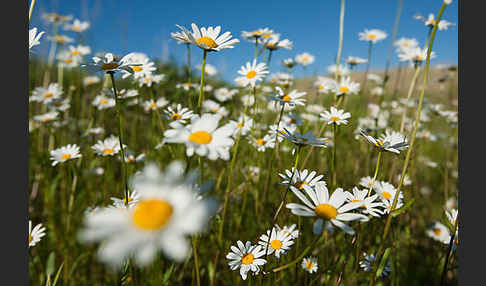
136	68
152	214
147	79
65	156
207	41
334	118
309	265
153	106
247	259
60	39
109	66
257	32
48	95
305	59
75	52
200	137
251	74
76	28
68	61
30	238
276	244
129	200
405	44
419	58
320	86
300	185
103	101
266	35
108	151
379	143
371	36
260	142
214	110
286	98
239	125
176	116
437	231
326	211
386	195
344	89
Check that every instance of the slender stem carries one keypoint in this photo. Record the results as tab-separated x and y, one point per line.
341	32
188	49
256	49
32	4
201	89
376	172
299	258
448	254
410	92
196	260
120	137
409	151
334	130
269	58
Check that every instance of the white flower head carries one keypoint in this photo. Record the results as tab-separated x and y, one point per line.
251	73
304	59
310	264
246	257
278	243
34	37
36	233
65	153
209	39
373	35
335	116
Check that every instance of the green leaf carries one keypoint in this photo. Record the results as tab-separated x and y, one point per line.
57	274
50	264
167	274
403	209
383	262
448	223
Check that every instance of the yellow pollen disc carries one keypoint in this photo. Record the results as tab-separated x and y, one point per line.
379	143
214	110
200	137
405	44
76	28
251	74
437	231
136	68
260	141
334	118
129	200
344	89
109	66
276	244
30	238
372	36
75	52
176	116
65	156
420	58
320	86
103	101
326	211
207	41
309	265
266	35
286	98
386	195
305	59
153	106
152	214
239	125
68	61
108	151
147	79
300	185
48	95
247	259
257	33
60	39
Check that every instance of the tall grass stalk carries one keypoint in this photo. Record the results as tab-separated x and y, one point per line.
201	88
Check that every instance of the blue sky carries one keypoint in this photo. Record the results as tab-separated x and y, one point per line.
123	26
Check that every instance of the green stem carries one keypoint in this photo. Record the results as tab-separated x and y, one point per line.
201	90
341	32
334	131
409	151
256	49
376	172
196	260
120	137
299	258
409	95
448	254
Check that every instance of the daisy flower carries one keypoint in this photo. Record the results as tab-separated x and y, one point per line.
46	95
36	233
186	86
274	43
61	39
282	79
386	191
376	78
34	37
387	204
415	55
79	50
89	80
248	100
346	86
268	141
292	98
179	115
209	70
392	142
335	116
303	139
264	33
251	73
133	198
211	106
304	59
242	125
279	242
67	60
369	259
103	102
77	26
439	232
373	35
354	61
451	216
148	78
368	206
301	178
180	37
54	17
289	63
127	93
64	154
46	117
95	131
224	94
405	43
157	222
431	22
377	90
209	39
203	137
309	264
151	105
108	147
246	258
340	70
110	64
325	84
289	230
333	209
